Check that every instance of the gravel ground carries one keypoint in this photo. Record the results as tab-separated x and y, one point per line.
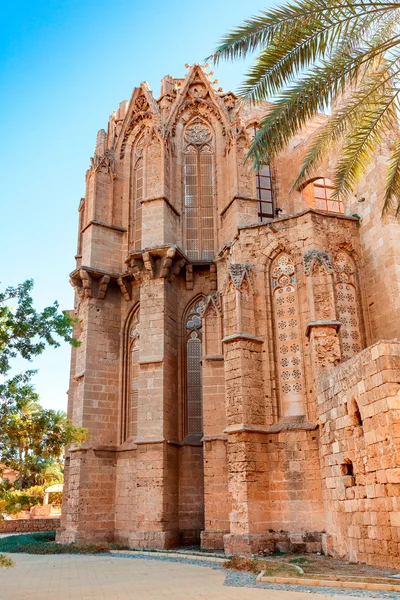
248	580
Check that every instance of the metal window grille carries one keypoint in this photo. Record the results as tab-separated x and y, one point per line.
194	391
199	194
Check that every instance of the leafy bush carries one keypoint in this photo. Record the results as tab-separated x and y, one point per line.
14	501
5	561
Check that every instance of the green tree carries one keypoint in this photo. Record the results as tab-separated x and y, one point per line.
33	438
311	53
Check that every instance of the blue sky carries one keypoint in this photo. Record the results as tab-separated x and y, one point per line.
64	67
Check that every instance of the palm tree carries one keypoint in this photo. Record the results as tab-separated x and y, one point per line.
337	56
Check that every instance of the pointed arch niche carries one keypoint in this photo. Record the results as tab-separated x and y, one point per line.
192	371
136	194
288	336
347	304
199	191
131	376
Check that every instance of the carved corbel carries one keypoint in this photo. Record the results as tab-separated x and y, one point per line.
86	283
189	277
164	262
103	284
125	288
91	283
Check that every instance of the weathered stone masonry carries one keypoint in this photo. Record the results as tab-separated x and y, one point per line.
230	372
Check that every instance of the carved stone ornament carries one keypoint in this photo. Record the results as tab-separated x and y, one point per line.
212	302
198	134
198	90
327	348
164	262
230	101
91	283
312	255
140	104
238	273
104	163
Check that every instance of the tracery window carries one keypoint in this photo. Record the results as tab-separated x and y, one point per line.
347	304
193	379
199	192
323	189
135	237
288	336
130	417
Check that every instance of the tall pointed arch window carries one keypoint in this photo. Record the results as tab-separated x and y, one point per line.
288	336
193	379
137	173
199	192
131	391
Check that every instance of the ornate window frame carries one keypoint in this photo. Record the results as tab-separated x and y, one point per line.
193	331
199	191
288	343
136	193
131	342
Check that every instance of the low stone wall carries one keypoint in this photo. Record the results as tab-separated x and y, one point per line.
31	525
359	412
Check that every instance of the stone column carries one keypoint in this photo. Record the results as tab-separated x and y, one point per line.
244	406
217	501
157	464
88	504
323	328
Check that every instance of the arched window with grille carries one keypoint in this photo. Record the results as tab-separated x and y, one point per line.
199	184
131	379
318	195
136	193
288	336
193	338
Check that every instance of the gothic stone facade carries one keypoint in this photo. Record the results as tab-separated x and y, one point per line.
238	371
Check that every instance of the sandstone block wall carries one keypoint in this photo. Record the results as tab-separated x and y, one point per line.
359	411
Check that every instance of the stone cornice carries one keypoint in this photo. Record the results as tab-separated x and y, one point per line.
292	216
333	324
237	197
242	336
105	225
165	199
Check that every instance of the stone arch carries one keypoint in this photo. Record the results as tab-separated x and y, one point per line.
287	336
136	191
130	375
192	351
199	190
347	297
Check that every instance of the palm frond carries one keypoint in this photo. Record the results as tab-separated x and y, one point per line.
343	118
363	140
260	30
287	56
